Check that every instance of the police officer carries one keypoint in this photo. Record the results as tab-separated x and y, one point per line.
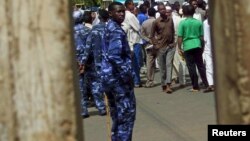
92	60
80	35
86	74
117	75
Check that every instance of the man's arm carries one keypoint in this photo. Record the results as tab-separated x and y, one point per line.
202	37
173	32
116	51
152	33
81	48
144	34
202	42
119	55
173	44
180	41
87	49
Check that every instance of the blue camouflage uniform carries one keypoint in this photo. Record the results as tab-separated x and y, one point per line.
81	33
118	81
80	36
92	61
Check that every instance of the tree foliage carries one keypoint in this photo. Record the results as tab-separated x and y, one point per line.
88	3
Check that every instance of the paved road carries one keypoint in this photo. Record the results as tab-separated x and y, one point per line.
181	116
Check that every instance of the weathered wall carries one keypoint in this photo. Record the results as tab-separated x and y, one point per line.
38	97
231	34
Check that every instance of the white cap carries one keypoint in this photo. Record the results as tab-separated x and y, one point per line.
156	8
207	7
77	14
185	3
180	11
168	8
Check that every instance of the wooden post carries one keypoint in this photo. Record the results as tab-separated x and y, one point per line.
39	100
231	41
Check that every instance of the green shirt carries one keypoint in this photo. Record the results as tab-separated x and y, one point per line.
190	30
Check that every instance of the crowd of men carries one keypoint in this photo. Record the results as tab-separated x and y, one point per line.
113	45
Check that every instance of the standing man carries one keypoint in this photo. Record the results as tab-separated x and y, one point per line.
80	36
176	8
117	75
88	19
190	34
150	49
142	16
199	12
95	18
162	37
207	56
179	65
92	60
132	27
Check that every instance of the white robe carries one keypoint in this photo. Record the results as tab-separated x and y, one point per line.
207	54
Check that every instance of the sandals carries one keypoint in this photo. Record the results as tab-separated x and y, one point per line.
208	89
194	90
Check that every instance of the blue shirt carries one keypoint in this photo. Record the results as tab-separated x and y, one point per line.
142	17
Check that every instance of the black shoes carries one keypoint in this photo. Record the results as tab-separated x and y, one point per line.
85	116
90	104
102	112
137	86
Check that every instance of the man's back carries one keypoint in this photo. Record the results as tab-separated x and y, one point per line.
142	18
201	12
147	26
92	54
80	33
80	36
98	32
190	30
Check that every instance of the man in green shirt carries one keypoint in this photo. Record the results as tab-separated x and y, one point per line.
190	35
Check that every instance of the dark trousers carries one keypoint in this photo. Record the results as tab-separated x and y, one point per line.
194	59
